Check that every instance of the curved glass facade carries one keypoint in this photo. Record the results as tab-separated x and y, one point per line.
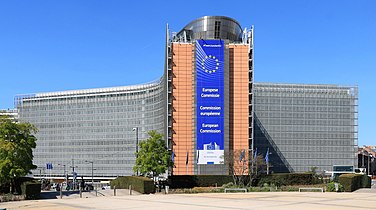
93	125
302	125
211	27
306	125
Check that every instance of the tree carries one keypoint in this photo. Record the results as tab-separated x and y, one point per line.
316	178
153	157
237	163
260	165
240	166
17	142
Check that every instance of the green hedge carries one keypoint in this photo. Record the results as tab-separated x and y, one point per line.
19	181
331	187
287	179
366	181
140	184
31	190
190	181
5	188
350	182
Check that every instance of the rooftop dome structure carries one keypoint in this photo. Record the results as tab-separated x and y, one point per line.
211	27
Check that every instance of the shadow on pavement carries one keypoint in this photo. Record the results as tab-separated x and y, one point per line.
56	194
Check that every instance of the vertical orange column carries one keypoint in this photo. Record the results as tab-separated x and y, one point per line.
183	107
239	101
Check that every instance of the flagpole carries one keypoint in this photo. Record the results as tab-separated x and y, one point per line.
255	159
186	163
243	169
198	158
256	166
267	161
252	162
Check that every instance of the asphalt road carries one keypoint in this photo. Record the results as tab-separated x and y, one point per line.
255	201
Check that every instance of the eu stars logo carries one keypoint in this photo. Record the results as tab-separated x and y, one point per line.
210	64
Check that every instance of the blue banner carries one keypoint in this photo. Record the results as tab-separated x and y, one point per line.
210	101
49	166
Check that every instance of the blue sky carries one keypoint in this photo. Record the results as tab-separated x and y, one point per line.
65	45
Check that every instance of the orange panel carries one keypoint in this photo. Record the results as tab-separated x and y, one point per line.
239	73
183	105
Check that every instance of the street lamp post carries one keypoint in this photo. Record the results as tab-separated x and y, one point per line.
74	174
92	171
136	130
368	161
64	170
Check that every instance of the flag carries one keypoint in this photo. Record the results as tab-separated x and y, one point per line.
267	156
255	155
173	156
49	166
242	154
186	160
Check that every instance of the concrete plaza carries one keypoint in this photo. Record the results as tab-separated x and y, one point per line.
259	200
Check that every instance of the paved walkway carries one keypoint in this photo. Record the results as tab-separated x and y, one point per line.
255	201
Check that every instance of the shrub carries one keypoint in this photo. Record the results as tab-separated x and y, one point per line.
260	189
140	184
228	185
31	190
11	197
350	182
5	188
316	178
330	187
290	188
277	180
199	190
190	181
19	182
365	181
287	179
207	189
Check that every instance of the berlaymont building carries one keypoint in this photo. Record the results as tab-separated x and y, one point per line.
208	107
